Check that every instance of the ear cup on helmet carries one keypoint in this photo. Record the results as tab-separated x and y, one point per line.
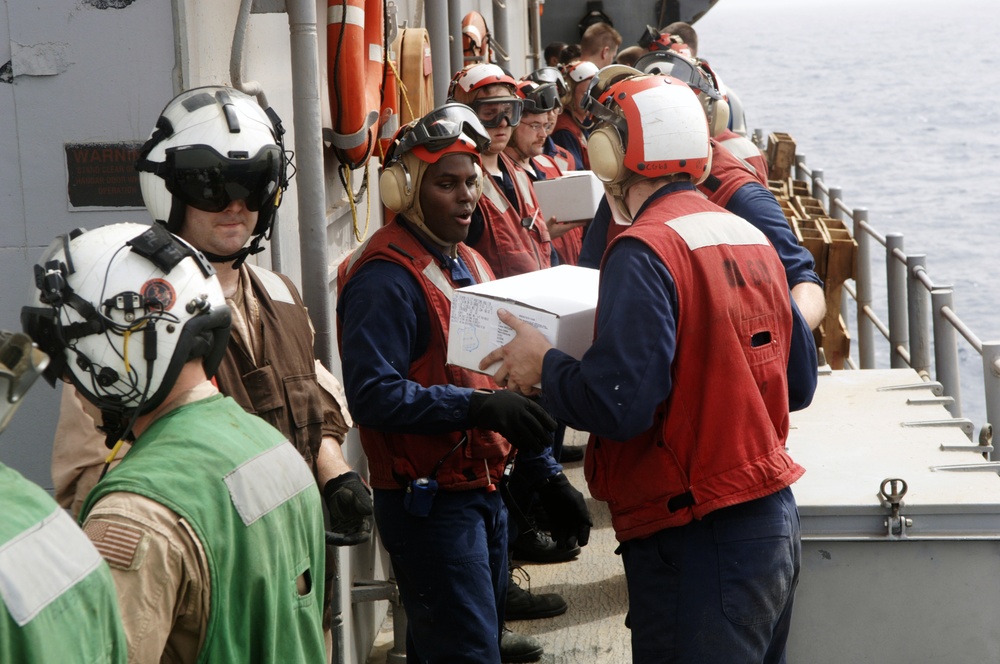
606	154
479	180
396	187
718	118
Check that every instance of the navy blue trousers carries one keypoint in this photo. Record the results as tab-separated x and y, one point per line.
451	569
718	590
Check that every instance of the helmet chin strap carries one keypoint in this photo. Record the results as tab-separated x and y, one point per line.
240	256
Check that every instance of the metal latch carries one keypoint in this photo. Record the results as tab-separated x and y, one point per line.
895	524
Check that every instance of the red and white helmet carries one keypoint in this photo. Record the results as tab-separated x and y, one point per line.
474	77
649	127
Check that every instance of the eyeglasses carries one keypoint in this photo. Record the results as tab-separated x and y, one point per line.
442	127
204	179
493	111
540	126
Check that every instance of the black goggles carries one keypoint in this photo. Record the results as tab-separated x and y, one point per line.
550	75
668	63
492	112
442	127
204	179
542	99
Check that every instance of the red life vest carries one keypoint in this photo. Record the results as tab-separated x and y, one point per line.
393	457
547	166
719	439
566	122
507	244
743	148
568	246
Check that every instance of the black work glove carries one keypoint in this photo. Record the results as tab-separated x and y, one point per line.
517	418
568	513
350	504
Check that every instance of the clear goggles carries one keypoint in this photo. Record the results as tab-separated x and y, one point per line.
669	63
550	75
599	86
493	111
440	128
204	179
542	99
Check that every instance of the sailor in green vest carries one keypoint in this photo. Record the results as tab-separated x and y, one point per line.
56	594
212	523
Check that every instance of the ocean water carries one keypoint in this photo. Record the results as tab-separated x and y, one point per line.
898	101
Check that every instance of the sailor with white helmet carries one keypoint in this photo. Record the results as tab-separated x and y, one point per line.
212	523
48	567
689	409
574	123
213	171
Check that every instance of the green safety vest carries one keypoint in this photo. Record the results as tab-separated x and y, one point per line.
57	597
255	507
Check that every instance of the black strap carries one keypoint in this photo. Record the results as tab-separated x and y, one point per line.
681	501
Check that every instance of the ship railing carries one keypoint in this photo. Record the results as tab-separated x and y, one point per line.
921	315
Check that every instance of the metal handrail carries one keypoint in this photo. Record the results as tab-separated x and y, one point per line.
921	313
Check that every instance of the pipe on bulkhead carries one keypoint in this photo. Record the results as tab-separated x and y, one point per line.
501	43
456	51
437	15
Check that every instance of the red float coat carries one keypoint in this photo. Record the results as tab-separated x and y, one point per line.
743	148
395	457
719	438
566	121
506	243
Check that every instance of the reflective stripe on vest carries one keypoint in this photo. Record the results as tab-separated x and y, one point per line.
496	196
267	481
42	563
709	229
273	284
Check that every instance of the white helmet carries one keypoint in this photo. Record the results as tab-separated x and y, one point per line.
21	363
213	145
120	310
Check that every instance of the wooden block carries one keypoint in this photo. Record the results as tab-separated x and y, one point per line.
780	155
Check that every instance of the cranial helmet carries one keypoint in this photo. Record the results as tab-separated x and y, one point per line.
649	127
213	145
578	72
538	98
449	129
21	363
475	76
120	310
699	76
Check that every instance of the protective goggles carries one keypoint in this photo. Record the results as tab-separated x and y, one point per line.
599	86
204	179
440	128
493	111
669	63
542	99
550	75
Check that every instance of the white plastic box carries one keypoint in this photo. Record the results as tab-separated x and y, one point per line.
560	302
572	197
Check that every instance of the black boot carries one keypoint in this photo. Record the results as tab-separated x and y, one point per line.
522	604
536	546
515	648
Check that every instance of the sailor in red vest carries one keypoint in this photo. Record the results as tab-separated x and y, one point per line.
507	226
575	123
527	149
560	155
732	184
698	356
436	436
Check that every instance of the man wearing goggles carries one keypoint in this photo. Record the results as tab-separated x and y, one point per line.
50	568
430	430
527	148
212	172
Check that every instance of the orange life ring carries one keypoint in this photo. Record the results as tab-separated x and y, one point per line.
355	61
476	40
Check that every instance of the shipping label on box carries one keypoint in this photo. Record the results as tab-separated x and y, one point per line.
560	302
572	197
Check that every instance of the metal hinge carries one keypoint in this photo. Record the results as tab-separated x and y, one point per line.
895	524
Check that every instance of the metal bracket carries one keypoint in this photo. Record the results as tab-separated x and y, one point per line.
895	524
967	427
931	401
937	389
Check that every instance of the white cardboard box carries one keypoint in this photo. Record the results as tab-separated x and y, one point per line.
560	302
572	197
